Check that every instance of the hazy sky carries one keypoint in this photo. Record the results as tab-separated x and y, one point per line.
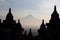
40	9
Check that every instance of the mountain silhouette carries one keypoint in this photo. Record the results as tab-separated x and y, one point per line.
30	20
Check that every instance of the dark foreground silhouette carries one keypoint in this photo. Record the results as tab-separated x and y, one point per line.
10	30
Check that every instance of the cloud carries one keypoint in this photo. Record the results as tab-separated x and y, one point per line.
38	8
20	4
1	1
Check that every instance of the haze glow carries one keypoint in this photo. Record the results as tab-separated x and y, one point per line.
41	9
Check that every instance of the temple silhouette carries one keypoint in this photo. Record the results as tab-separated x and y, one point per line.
10	30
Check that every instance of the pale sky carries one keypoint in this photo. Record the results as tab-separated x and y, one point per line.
41	9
